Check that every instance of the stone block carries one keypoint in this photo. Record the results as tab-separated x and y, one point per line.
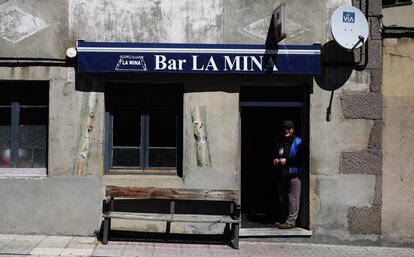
375	28
367	162
360	4
364	220
374	7
375	136
376	80
374	54
362	106
378	191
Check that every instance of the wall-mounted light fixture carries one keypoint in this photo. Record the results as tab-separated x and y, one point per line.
71	52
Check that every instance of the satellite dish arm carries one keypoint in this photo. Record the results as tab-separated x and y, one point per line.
360	40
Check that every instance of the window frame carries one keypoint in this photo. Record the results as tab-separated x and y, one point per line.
397	3
144	114
15	112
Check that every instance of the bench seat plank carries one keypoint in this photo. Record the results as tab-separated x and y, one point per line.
172	193
197	218
139	216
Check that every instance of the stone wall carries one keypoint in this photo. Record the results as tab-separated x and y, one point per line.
345	153
398	137
398	140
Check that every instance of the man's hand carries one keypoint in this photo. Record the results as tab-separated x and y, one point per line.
279	161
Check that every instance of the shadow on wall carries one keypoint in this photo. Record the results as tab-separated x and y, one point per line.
337	65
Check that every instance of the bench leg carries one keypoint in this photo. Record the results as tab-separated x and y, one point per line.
172	211
234	239
106	229
168	228
235	236
227	231
108	206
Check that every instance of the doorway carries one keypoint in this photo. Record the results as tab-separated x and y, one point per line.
262	110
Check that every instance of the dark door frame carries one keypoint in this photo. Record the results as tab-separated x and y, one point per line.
304	105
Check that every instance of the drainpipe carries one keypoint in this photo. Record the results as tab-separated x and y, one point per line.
28	61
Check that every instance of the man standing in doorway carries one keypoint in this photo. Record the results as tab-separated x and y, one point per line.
288	161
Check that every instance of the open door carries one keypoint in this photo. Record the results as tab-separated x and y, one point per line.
263	109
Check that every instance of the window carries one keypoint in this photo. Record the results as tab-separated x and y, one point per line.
23	127
142	127
393	3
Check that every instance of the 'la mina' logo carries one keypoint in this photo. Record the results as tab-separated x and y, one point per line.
348	17
131	62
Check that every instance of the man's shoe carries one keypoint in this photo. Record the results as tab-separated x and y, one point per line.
286	226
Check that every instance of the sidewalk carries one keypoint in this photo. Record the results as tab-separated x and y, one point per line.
18	245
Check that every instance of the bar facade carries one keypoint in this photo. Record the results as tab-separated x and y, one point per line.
189	95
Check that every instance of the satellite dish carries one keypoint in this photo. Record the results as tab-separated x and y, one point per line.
349	27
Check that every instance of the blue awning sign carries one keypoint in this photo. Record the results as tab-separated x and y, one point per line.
131	63
100	57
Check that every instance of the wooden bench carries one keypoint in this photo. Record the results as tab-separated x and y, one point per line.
232	219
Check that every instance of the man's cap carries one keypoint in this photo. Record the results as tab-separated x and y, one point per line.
288	124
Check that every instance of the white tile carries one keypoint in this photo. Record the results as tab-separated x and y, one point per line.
83	240
391	251
37	238
109	250
46	251
19	246
76	252
81	246
8	236
55	242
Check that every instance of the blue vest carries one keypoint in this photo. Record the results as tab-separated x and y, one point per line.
293	152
